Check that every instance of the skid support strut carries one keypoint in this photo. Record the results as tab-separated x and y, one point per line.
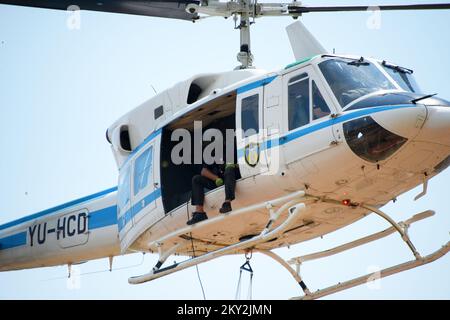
291	203
401	227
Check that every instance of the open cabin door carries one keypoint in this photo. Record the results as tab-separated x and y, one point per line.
250	133
139	204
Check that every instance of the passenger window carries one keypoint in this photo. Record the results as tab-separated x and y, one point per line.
298	103
142	169
319	106
250	115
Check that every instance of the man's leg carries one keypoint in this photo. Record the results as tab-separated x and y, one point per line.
198	193
229	179
199	183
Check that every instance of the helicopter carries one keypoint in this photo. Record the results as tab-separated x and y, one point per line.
365	113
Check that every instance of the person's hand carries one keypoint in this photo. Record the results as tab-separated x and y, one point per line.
219	182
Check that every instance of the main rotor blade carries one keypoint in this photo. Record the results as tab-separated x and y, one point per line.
428	6
175	9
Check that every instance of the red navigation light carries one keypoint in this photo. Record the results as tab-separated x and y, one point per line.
346	202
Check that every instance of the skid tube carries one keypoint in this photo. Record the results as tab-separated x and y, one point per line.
401	228
378	275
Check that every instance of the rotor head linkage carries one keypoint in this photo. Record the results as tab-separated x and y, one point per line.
246	11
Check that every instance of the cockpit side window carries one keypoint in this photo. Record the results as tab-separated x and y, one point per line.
403	77
298	102
320	107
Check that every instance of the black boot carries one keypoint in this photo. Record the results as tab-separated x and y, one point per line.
197	217
226	207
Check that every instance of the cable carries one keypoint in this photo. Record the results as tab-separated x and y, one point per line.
198	272
193	252
201	284
237	296
245	267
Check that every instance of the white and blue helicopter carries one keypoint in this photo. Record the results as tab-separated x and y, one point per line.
292	127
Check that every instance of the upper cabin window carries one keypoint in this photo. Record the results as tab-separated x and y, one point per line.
320	107
142	170
159	112
250	115
123	195
298	101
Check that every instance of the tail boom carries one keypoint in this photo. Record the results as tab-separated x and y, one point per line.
81	230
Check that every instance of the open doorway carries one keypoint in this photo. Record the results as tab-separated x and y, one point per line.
176	179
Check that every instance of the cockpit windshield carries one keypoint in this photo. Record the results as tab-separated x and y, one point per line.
352	79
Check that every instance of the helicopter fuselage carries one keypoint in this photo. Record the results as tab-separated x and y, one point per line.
340	128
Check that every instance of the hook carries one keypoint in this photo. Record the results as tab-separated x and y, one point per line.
246	266
248	255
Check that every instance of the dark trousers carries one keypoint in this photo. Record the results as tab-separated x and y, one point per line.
199	183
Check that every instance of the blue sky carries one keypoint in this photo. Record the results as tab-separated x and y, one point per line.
60	89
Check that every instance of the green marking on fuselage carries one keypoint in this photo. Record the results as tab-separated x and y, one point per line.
299	62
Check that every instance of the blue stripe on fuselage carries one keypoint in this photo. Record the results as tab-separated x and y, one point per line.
256	84
58	208
138	207
322	125
103	218
97	219
13	241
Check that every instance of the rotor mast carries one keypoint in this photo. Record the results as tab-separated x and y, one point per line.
245	56
244	13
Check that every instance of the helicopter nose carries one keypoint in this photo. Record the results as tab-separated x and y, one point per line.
437	126
404	122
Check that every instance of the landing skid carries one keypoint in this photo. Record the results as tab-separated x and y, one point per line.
382	274
401	228
294	204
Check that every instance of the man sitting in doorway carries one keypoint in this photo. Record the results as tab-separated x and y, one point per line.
211	177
